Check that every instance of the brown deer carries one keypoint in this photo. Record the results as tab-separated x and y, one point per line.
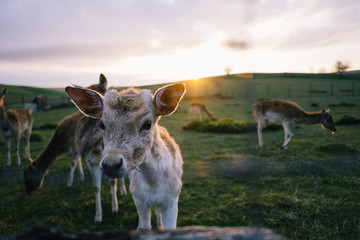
17	124
134	144
288	114
63	140
199	109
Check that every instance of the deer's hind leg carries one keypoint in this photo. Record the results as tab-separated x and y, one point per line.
17	148
27	135
75	161
288	134
8	148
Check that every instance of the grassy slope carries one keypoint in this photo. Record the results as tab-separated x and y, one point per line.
309	191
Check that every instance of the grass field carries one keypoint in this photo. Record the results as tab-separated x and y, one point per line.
309	191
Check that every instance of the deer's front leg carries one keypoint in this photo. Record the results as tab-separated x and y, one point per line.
123	191
96	178
259	132
144	212
168	215
114	201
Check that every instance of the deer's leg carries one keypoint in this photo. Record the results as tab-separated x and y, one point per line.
17	147
114	201
27	145
76	159
169	215
96	178
81	171
259	132
159	219
8	147
123	191
144	213
288	134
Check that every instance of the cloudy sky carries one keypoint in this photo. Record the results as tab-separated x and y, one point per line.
56	43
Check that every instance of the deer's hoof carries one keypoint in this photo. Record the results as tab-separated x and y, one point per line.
97	223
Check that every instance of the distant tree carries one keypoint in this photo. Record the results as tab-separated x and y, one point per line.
322	70
341	67
228	70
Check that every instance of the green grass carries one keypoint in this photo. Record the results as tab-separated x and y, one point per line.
309	191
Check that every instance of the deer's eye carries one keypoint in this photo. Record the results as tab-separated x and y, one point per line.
146	125
102	125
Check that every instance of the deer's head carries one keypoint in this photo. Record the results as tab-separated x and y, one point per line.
128	120
326	120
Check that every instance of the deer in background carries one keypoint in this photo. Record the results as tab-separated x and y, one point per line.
17	124
199	109
288	114
63	140
134	144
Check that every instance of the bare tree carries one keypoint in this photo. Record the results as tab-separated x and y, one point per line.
322	70
228	70
341	67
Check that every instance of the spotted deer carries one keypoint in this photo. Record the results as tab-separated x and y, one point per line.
62	141
199	109
135	145
288	114
17	124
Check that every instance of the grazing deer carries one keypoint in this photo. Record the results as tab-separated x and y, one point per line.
89	144
288	114
17	124
63	140
134	144
199	109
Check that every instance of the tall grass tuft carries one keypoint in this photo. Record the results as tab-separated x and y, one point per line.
221	126
227	125
347	120
37	137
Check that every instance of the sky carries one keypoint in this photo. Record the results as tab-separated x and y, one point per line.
57	43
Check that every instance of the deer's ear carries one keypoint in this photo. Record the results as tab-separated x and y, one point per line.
324	112
89	102
167	99
103	82
3	92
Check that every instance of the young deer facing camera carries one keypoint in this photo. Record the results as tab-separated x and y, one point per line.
17	124
89	144
134	144
288	114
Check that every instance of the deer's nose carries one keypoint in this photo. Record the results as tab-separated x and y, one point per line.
112	170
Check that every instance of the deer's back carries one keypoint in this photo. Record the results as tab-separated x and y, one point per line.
20	118
278	110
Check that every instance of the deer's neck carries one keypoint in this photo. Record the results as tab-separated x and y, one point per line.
310	118
3	114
